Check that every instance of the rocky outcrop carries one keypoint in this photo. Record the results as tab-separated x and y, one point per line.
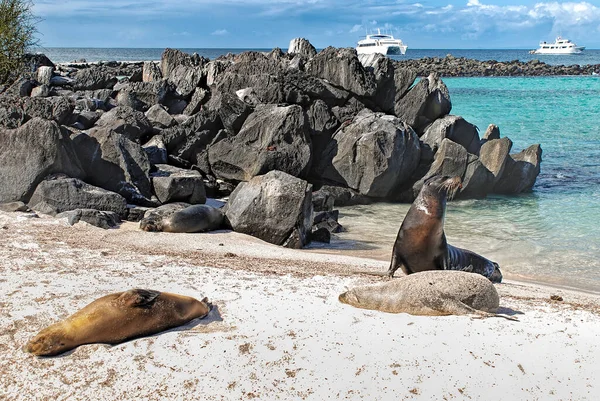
255	208
98	218
302	47
30	153
520	172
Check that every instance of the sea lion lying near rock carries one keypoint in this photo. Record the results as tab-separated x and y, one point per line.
115	318
192	219
429	293
421	243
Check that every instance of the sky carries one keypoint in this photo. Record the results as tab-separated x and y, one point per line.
434	24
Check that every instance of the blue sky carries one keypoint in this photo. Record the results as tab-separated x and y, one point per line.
465	24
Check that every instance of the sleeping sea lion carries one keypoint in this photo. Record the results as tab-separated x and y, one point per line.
118	317
421	243
429	293
192	219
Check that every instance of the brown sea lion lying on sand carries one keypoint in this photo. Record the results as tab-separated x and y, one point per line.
118	317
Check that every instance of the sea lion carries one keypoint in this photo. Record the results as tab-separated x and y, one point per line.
118	317
429	293
192	219
421	243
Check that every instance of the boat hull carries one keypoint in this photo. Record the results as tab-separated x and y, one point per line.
382	50
575	50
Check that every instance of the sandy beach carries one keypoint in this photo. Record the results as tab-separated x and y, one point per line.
277	330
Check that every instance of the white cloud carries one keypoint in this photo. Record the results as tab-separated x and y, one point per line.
355	28
220	32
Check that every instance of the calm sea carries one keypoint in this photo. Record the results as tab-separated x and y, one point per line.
551	235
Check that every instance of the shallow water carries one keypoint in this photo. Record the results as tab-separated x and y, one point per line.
551	235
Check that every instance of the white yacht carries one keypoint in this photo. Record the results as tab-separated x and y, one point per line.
380	43
560	46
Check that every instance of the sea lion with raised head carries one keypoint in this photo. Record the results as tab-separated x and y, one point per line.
429	293
421	243
115	318
192	219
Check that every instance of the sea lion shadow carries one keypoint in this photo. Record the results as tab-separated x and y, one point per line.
502	310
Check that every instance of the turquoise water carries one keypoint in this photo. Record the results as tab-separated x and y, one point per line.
551	235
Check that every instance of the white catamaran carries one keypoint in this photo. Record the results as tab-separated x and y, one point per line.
380	43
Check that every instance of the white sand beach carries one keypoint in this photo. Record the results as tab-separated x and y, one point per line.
277	330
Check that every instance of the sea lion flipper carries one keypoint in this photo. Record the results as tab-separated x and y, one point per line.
139	298
468	269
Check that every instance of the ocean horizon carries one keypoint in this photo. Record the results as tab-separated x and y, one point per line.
95	54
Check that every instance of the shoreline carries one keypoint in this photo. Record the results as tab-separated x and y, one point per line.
277	330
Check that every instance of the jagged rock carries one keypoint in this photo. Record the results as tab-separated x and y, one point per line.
114	162
199	97
151	72
392	81
302	47
478	181
98	218
494	155
125	121
520	172
424	103
349	110
272	138
94	78
172	184
321	234
342	68
59	195
231	110
255	208
343	196
87	119
56	108
30	153
158	117
492	132
44	75
40	91
455	128
374	154
156	150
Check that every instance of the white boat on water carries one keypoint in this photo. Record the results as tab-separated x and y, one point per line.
560	46
380	43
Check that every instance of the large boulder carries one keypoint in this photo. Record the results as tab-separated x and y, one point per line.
125	121
342	68
272	138
455	128
172	184
116	163
374	154
56	108
520	172
477	181
143	95
159	117
424	103
231	110
59	195
494	155
274	207
302	47
30	153
94	78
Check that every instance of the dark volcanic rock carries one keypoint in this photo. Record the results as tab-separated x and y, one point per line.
424	103
374	154
98	218
272	138
454	128
125	121
494	155
60	195
520	172
30	153
255	208
302	47
172	184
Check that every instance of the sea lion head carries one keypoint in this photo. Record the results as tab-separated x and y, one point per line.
496	276
152	223
50	341
442	185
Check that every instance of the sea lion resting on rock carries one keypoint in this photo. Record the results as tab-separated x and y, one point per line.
421	243
118	317
192	219
429	293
